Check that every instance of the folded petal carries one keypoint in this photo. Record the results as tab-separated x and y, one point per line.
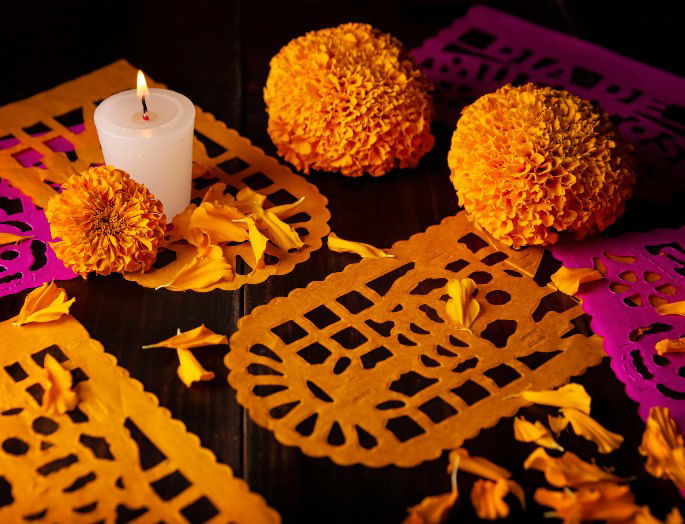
194	338
488	499
258	240
462	307
585	426
568	280
672	308
601	501
286	210
431	510
280	233
525	431
190	370
670	345
339	245
248	201
181	223
568	470
11	238
58	397
219	222
202	272
44	304
568	396
216	195
663	446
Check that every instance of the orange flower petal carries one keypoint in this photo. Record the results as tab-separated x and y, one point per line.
219	222
462	307
248	201
568	470
433	510
568	280
670	345
488	499
215	195
59	397
568	396
194	338
557	424
585	426
286	210
339	245
674	517
672	308
602	501
44	304
11	238
663	446
181	223
258	240
202	272
280	233
525	431
190	370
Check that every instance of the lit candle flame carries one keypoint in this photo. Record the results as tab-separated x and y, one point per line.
143	93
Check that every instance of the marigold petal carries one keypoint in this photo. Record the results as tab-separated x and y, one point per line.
462	307
286	210
248	201
525	431
219	222
568	470
672	308
339	245
670	345
488	499
568	280
59	396
258	241
601	501
190	370
664	447
478	466
568	396
11	238
44	304
181	224
557	424
202	272
585	426
431	510
280	233
216	195
194	338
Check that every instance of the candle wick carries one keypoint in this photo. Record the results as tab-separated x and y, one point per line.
145	113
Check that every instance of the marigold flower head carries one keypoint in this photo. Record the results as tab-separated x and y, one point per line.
348	99
104	221
530	162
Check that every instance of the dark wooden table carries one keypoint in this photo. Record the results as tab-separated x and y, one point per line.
218	53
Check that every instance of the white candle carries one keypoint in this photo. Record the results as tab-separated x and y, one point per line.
157	151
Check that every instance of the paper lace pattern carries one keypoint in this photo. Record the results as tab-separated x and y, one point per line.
487	49
48	137
31	262
643	271
366	367
117	457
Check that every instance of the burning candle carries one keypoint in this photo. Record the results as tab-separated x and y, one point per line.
149	134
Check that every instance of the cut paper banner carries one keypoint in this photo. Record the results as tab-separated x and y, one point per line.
47	137
367	366
118	456
487	49
642	271
31	262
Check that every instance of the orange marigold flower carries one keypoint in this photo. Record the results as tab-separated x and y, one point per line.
530	162
104	221
348	99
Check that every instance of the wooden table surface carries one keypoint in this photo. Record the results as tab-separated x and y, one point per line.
218	53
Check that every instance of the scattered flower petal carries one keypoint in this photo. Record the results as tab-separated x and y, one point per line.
286	210
672	308
670	345
190	370
216	195
181	223
280	233
568	396
557	424
249	202
258	241
488	499
59	397
11	238
462	307
663	446
433	510
219	222
568	470
674	517
525	431
202	272
339	245
568	280
601	501
194	338
44	304
585	426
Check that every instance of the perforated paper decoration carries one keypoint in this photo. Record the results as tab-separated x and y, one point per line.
46	138
643	270
487	49
365	367
117	457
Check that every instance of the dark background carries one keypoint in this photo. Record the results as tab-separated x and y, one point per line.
217	53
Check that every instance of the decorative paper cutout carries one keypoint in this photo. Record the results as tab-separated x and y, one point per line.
117	455
220	155
487	49
642	271
31	262
365	366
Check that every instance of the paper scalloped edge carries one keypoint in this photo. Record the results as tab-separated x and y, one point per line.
491	420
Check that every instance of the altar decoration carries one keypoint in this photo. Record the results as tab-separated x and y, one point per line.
641	272
104	221
664	447
368	367
531	162
52	137
348	99
107	450
44	304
